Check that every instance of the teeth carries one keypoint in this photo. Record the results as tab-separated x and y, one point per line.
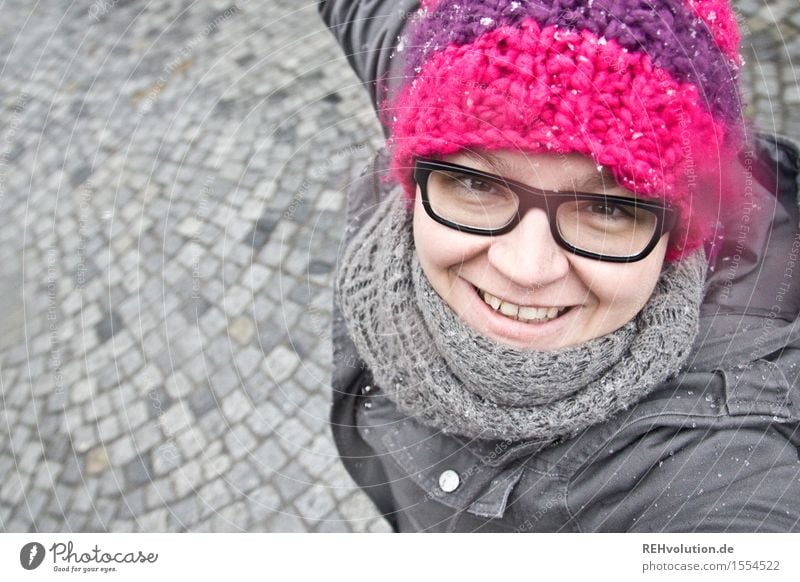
509	309
533	312
518	312
493	301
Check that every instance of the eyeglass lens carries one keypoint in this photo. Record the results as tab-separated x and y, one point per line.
596	225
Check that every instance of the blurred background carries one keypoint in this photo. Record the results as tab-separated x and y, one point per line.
172	188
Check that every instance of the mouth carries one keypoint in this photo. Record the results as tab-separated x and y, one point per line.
523	313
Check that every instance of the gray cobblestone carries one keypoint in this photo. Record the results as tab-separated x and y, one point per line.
155	521
242	329
223	382
242	477
187	346
269	457
84	438
295	434
134	415
240	441
236	406
291	481
166	458
213	424
12	490
358	511
106	509
216	465
264	502
314	503
135	502
138	471
281	363
174	420
213	321
214	496
265	419
333	523
186	512
379	525
158	493
148	435
233	518
191	442
247	360
83	390
122	451
188	478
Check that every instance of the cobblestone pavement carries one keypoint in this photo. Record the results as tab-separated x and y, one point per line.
171	179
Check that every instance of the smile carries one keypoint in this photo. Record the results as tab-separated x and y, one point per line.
525	313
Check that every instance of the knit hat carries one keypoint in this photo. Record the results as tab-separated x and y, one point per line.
647	88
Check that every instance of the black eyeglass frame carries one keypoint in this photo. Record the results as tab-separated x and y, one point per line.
666	217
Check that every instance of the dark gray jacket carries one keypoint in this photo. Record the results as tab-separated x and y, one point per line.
716	449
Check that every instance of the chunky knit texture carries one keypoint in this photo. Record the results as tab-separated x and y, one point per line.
436	368
647	88
675	39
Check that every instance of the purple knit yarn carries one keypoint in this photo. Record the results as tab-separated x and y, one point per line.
675	39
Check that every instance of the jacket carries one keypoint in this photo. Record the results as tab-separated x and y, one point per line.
716	449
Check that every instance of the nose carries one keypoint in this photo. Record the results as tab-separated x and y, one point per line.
528	255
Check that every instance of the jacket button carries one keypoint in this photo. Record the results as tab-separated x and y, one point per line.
366	389
449	481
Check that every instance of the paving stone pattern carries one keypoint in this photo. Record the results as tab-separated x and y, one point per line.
171	187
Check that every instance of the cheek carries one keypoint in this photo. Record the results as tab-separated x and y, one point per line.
625	289
625	293
440	248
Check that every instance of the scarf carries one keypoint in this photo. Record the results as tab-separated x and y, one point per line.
436	368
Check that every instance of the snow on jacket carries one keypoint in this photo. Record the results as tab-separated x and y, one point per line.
715	449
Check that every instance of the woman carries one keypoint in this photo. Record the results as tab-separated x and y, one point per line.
570	305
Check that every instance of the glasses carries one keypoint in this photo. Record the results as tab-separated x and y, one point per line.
597	226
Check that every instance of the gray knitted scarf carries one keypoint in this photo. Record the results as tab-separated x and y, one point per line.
436	368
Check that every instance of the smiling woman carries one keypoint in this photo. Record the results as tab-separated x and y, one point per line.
533	282
543	293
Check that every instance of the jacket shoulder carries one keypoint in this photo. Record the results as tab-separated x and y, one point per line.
708	452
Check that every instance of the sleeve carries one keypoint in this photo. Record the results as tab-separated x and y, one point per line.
744	479
729	484
368	31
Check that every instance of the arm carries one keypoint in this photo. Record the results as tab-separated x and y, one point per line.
368	31
735	484
740	479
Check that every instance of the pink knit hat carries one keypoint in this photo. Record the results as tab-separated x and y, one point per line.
647	88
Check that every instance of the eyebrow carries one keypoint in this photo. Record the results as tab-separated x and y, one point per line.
498	165
602	179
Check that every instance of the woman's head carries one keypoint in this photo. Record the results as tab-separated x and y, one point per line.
642	94
524	287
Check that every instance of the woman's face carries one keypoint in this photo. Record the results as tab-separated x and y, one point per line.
527	268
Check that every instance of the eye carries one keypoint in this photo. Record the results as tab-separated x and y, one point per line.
473	183
608	210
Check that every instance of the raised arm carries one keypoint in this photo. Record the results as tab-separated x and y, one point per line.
367	31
